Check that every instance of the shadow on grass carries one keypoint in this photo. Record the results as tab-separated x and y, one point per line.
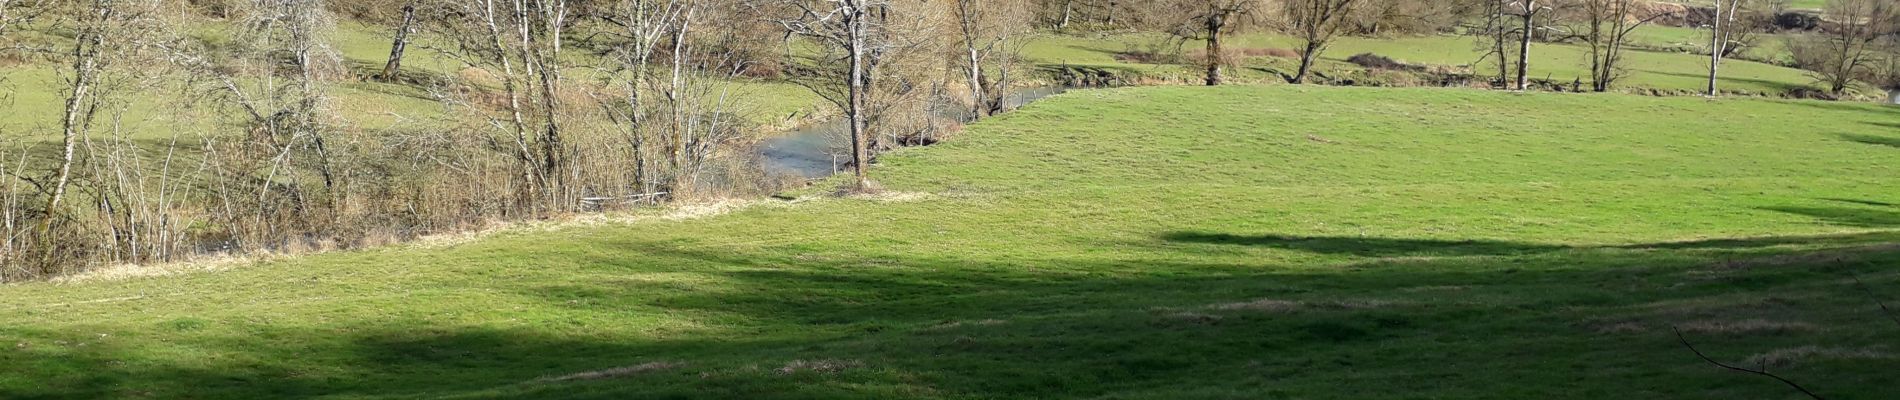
786	324
1856	217
1781	86
1391	247
1861	202
1871	139
1365	246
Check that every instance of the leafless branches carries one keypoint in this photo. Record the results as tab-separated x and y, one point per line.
1759	370
1315	23
993	33
1605	27
1848	51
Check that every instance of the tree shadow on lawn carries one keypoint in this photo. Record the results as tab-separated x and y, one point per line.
852	324
1397	247
1861	202
1846	216
1871	139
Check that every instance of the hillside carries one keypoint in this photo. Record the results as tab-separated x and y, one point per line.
1168	243
34	91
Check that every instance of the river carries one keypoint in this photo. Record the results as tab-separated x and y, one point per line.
819	150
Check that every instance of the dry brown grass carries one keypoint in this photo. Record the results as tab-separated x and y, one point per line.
1747	326
614	372
1790	356
960	323
818	366
1280	306
1621	328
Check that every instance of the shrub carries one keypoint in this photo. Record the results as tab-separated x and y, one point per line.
1378	62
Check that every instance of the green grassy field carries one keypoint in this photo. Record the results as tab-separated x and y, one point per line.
1165	243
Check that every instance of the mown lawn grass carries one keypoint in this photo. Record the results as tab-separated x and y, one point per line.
1166	243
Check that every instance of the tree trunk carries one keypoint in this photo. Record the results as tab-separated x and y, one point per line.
966	20
860	155
978	99
511	86
1716	43
1306	62
400	43
1215	22
72	124
1524	45
1068	12
1499	36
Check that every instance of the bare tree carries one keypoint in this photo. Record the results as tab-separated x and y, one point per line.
1315	23
520	40
1526	11
109	39
399	44
15	12
1605	27
1839	55
1207	20
88	46
1724	30
1494	33
991	33
641	25
848	25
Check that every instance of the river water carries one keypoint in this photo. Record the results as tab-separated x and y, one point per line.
820	150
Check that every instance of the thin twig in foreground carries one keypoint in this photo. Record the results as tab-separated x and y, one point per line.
1762	372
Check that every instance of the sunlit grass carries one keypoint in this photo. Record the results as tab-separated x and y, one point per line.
1167	243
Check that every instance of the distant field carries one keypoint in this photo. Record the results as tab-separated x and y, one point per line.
1140	243
1794	4
1563	63
33	97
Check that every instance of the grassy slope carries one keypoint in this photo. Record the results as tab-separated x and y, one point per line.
1658	70
1408	243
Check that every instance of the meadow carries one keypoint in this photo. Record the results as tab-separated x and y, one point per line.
1644	70
1164	243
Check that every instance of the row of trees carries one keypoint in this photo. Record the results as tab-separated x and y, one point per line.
553	106
1846	44
547	107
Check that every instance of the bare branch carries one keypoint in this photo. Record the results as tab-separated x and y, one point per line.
1762	371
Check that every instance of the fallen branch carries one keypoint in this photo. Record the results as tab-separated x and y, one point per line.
1871	295
1763	370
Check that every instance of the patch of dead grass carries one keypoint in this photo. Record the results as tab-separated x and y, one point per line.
1747	326
1281	306
615	372
1790	356
130	271
960	323
818	366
